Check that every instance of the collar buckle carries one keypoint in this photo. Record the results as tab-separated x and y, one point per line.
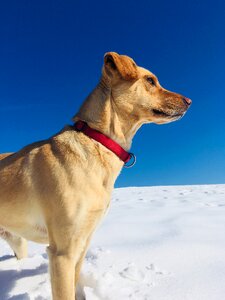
133	162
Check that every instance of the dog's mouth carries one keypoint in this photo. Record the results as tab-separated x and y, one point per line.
161	113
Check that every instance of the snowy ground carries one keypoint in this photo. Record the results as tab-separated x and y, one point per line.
156	243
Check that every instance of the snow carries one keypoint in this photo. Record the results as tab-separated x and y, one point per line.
156	243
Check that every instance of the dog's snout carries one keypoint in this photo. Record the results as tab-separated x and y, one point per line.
186	101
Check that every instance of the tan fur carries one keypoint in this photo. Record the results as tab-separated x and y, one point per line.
56	191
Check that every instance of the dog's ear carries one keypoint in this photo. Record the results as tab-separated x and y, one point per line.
121	65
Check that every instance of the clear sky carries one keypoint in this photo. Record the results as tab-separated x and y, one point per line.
51	54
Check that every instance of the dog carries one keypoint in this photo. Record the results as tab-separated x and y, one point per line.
56	191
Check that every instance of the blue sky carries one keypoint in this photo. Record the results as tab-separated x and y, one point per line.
51	56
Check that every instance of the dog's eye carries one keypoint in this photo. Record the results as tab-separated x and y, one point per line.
150	80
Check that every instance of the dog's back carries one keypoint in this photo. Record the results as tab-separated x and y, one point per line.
4	155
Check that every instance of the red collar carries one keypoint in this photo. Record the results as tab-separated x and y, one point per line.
105	141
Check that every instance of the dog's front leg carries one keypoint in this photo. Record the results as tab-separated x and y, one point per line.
78	285
62	274
64	253
81	260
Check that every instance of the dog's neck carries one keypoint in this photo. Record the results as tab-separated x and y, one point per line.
101	112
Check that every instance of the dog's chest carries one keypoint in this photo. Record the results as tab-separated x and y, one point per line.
36	229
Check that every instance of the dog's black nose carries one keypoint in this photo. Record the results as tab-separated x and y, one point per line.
187	101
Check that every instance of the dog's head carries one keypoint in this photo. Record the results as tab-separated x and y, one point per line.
137	92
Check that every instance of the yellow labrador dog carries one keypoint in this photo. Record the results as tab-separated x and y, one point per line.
56	191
